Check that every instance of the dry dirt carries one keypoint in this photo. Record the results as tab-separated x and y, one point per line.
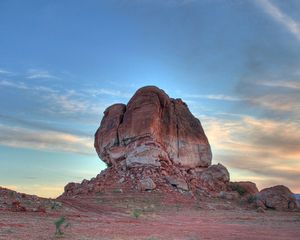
111	216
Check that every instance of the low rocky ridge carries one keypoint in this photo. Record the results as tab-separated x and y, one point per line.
21	202
155	144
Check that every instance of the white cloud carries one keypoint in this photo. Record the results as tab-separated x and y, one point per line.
44	140
13	84
289	23
24	86
268	150
109	92
63	102
73	102
2	71
216	97
39	74
278	103
285	84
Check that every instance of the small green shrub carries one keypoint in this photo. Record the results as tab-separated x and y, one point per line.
238	188
12	194
55	205
118	190
108	165
136	213
58	225
252	199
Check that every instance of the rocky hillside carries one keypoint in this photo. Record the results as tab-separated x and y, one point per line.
21	202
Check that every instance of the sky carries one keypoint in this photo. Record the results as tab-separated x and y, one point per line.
236	64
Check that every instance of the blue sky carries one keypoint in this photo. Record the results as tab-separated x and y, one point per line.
235	63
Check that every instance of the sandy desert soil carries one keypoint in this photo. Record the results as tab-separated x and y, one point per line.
111	216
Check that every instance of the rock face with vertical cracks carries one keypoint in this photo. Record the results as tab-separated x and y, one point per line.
150	129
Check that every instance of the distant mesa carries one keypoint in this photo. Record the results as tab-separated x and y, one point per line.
154	143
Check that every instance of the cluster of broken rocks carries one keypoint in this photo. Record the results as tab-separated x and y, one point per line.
154	143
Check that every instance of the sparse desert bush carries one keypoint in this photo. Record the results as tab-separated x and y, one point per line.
238	188
136	213
252	199
55	205
108	165
12	194
118	190
59	223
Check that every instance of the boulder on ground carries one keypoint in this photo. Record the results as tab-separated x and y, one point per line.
146	184
232	195
278	197
244	188
214	178
71	187
177	182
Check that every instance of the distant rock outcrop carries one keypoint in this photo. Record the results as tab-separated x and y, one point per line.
21	202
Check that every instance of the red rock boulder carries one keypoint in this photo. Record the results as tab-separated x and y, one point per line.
244	188
215	178
278	197
152	128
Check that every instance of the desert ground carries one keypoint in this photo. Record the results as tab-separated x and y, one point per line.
144	216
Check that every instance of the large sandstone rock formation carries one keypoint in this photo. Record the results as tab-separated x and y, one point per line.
153	143
152	128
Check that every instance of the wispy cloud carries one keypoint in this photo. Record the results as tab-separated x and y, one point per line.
64	102
289	23
40	74
267	149
109	92
13	84
220	97
284	84
279	103
45	140
24	86
72	103
271	98
3	71
55	125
